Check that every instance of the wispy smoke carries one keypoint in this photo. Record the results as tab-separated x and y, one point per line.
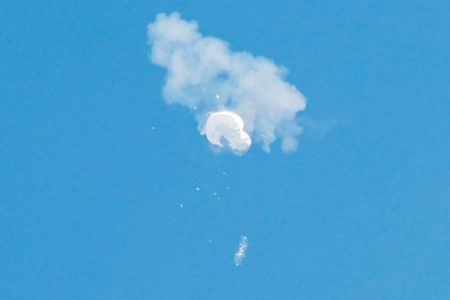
240	253
205	75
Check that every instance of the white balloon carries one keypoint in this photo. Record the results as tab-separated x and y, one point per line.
227	126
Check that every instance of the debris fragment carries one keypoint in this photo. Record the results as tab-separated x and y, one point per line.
240	253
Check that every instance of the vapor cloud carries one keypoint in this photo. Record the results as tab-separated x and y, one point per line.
206	76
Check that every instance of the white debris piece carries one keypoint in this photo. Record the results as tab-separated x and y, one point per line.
240	253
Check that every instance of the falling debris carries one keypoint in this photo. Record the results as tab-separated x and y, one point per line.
224	173
181	205
216	195
227	188
153	127
197	189
240	253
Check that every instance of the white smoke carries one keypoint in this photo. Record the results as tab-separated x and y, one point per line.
240	253
205	75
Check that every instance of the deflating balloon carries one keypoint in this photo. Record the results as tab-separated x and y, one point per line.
226	126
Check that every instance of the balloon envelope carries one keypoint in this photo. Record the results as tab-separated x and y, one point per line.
227	126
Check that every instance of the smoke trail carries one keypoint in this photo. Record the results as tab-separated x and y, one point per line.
240	253
206	76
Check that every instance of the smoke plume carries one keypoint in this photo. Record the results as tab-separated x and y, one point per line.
234	88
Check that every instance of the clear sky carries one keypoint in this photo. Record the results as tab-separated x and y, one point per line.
94	165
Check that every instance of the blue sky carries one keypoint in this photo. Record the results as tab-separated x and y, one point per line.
90	194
